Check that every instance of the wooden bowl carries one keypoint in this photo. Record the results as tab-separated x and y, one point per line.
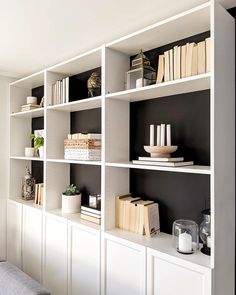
160	151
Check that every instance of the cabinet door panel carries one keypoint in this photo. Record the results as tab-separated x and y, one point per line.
55	276
84	261
32	242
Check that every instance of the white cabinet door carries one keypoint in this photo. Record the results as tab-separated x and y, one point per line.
32	242
14	225
124	267
55	256
84	260
165	277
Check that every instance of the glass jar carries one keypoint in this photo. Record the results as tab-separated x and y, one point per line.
205	232
185	236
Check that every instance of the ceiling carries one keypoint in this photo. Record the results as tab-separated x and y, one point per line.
36	34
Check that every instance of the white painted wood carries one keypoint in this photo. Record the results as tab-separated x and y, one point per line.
223	150
184	85
31	81
26	158
29	114
14	230
124	267
96	163
84	260
32	242
3	226
178	27
165	277
55	255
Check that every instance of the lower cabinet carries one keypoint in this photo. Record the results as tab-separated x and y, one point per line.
84	260
123	267
55	254
165	277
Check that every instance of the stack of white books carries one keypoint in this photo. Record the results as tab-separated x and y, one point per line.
168	162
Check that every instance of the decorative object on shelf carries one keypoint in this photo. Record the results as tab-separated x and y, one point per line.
71	199
28	186
205	232
38	144
32	100
29	152
39	194
42	102
94	85
85	147
141	72
185	236
95	201
29	107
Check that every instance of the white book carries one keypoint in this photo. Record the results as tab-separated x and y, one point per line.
201	58
91	210
161	68
189	59
195	60
171	55
90	214
183	61
63	91
208	54
67	89
167	164
149	159
167	67
176	62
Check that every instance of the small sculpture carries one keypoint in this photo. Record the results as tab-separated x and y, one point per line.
94	85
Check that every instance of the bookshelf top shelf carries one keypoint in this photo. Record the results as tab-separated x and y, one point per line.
166	31
184	85
32	81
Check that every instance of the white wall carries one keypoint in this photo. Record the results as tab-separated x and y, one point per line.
4	156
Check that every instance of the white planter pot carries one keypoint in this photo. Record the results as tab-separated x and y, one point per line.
41	152
29	152
71	204
31	99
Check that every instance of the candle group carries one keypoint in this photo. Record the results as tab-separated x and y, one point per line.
163	135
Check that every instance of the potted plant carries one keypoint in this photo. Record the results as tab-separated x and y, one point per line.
71	199
38	144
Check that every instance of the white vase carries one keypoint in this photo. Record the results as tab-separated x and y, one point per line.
29	152
41	152
71	204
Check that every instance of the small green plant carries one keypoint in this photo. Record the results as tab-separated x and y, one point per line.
72	190
38	141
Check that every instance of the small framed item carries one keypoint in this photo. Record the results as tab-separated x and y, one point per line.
95	201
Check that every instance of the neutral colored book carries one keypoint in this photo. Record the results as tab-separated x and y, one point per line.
179	159
167	164
189	58
91	210
183	61
90	214
90	218
63	90
161	68
96	136
119	209
177	62
208	54
67	88
151	220
171	55
36	194
194	60
127	212
167	66
201	58
141	229
41	195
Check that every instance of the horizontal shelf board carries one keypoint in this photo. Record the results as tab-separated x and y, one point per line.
29	203
96	163
164	244
79	64
166	31
80	105
26	158
73	217
31	81
185	85
186	169
29	114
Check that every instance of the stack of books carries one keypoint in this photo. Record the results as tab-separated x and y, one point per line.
184	61
82	146
60	91
29	107
137	215
167	162
39	194
91	214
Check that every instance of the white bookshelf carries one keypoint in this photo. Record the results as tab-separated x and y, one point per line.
115	165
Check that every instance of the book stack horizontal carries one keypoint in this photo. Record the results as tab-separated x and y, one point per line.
81	146
60	91
39	194
91	214
184	61
137	215
168	162
29	107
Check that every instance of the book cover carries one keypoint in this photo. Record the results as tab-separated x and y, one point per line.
90	214
91	210
167	67
140	229
201	58
127	212
151	219
177	62
171	65
194	60
189	59
161	69
183	61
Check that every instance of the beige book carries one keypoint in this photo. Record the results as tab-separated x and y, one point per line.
201	58
171	56
119	209
183	61
127	212
151	219
42	194
194	60
167	67
36	194
141	205
208	54
176	62
161	68
189	59
90	218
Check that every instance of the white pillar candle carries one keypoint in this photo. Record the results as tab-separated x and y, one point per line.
209	241
152	135
185	243
162	134
158	135
168	135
